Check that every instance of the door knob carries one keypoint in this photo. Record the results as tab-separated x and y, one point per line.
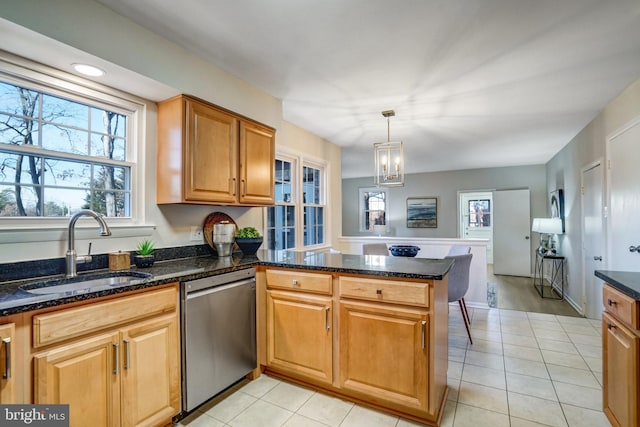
597	258
634	249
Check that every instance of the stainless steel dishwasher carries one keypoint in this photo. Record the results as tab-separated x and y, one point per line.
218	334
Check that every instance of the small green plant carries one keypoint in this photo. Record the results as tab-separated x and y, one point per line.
248	233
145	247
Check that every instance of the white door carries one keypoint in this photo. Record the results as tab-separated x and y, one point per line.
592	239
624	199
511	231
476	218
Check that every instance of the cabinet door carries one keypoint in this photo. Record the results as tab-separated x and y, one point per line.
7	363
84	375
620	350
210	156
150	372
384	353
299	338
257	157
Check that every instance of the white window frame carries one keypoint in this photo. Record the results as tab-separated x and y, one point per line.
25	73
299	161
294	161
362	208
321	166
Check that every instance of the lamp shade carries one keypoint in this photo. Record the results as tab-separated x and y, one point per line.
547	225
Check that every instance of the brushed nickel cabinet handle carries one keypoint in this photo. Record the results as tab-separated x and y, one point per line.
116	349
424	327
126	354
326	318
611	302
610	326
243	184
7	358
379	291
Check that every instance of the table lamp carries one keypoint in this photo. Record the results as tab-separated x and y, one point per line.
546	226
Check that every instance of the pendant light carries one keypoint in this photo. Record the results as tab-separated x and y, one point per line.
389	159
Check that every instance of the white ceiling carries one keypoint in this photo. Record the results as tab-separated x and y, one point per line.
474	83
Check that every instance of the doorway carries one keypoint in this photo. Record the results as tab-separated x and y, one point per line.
476	218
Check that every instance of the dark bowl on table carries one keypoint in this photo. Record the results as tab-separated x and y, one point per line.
404	250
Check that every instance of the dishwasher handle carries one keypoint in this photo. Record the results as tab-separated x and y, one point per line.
220	288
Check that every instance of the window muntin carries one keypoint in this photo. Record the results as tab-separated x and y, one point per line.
58	155
373	207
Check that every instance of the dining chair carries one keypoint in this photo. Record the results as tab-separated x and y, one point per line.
459	284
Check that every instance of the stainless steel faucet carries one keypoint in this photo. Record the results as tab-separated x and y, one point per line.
72	258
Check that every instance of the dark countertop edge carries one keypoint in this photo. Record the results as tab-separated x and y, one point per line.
35	304
627	282
355	271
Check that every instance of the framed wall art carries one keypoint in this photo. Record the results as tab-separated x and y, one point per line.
422	212
556	202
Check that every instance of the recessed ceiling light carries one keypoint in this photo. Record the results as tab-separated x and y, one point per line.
88	70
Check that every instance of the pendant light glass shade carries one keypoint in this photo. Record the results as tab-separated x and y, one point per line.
389	160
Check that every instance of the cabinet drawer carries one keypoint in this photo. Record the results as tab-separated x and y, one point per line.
622	306
299	281
69	323
392	291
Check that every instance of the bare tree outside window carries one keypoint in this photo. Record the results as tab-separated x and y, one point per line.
59	155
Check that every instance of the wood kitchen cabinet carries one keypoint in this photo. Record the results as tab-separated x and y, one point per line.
384	353
13	374
299	332
7	363
621	358
387	346
116	363
208	155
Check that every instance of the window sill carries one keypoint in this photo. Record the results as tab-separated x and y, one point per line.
59	233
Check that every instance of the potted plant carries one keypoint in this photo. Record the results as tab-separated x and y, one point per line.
248	240
144	257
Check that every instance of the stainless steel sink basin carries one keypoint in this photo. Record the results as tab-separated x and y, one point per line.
85	284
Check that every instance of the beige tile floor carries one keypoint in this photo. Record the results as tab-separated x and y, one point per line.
524	369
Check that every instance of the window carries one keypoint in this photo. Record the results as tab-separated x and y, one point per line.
59	155
313	207
480	213
281	219
373	207
298	217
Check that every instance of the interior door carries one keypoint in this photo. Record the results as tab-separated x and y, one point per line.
511	229
476	219
624	200
592	239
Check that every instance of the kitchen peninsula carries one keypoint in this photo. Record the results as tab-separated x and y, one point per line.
371	329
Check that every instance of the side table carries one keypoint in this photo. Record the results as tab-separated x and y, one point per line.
556	275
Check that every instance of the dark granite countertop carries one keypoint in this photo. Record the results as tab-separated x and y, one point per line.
627	282
15	300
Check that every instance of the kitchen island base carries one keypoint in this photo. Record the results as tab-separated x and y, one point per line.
378	341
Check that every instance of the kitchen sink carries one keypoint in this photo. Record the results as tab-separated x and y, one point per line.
85	283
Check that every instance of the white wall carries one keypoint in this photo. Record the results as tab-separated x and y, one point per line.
92	28
563	171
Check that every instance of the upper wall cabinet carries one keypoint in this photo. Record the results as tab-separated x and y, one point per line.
207	155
